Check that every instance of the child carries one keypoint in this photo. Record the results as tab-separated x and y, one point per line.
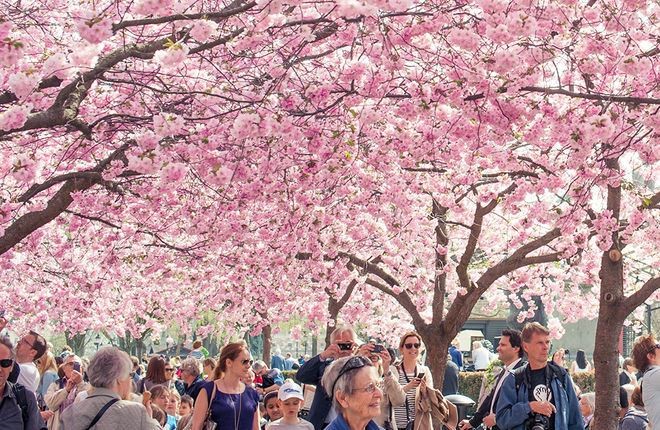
186	405
272	410
290	399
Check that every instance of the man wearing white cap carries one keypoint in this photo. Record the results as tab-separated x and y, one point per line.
290	399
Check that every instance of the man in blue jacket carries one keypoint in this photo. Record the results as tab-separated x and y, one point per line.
343	342
540	392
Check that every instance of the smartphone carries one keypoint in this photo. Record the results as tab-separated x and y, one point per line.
76	366
378	348
420	375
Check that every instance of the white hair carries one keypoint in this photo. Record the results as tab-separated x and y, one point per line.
107	366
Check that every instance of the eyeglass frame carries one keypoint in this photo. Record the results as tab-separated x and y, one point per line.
411	345
371	388
365	362
5	360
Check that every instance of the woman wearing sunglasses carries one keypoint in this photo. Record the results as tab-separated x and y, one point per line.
412	374
354	385
233	405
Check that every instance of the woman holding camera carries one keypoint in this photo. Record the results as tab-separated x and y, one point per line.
412	374
63	392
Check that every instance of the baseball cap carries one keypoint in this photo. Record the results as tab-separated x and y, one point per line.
290	390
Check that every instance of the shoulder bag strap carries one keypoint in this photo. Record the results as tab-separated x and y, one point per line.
101	412
405	375
208	409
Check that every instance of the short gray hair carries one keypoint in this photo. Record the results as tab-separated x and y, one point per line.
341	330
258	365
590	398
107	366
192	366
337	378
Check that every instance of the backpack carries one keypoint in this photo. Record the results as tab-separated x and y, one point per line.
555	372
21	399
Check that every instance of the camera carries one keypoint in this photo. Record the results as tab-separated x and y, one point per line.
345	346
378	348
538	422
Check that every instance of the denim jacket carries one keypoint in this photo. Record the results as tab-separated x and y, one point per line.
513	408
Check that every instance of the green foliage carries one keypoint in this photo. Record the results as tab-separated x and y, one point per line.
585	380
469	384
290	374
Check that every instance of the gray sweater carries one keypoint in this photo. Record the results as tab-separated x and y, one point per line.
123	414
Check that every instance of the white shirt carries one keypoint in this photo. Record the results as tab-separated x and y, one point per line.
29	376
481	358
651	395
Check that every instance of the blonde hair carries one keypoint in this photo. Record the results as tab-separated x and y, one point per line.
46	362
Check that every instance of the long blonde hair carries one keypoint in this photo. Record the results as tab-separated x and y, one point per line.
46	362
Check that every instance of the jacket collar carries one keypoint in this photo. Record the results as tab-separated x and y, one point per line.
103	392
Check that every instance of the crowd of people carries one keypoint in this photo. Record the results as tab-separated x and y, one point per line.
355	387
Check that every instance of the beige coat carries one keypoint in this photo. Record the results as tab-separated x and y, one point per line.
393	395
54	397
431	405
123	414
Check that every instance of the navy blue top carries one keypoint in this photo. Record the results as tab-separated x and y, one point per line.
228	409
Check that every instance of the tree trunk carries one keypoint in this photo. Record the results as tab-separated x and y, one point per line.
437	348
77	342
267	334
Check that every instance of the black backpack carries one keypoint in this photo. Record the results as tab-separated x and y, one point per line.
21	399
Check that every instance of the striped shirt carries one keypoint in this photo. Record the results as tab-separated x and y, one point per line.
400	411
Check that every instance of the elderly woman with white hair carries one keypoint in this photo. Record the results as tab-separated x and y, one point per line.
105	408
587	407
355	388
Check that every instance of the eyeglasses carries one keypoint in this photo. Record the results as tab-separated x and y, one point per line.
370	388
25	342
169	369
6	362
247	361
353	363
653	348
412	345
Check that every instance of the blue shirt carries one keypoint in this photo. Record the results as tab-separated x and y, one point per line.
340	423
229	409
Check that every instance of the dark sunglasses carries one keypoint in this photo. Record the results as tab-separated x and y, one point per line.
7	362
353	363
412	345
247	361
653	348
169	369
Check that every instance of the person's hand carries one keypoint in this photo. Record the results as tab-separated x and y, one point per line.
259	390
146	401
543	408
365	350
46	415
70	385
414	383
387	360
464	425
489	420
76	377
331	351
3	323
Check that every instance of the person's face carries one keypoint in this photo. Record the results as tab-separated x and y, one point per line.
184	409
249	379
364	401
290	407
241	365
505	351
5	359
273	409
411	347
537	348
208	370
68	366
654	357
169	371
24	348
346	338
162	401
172	406
585	409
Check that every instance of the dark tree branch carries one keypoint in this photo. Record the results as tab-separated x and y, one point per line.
636	299
587	96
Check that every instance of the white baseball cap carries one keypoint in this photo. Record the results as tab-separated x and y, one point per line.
290	390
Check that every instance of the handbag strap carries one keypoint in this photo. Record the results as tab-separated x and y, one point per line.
208	409
405	375
101	412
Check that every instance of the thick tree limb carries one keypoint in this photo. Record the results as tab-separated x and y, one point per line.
636	299
403	299
31	221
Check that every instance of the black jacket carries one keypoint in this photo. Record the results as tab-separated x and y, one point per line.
484	407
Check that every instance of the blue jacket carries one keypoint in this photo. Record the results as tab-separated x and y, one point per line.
340	423
456	356
311	373
513	407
